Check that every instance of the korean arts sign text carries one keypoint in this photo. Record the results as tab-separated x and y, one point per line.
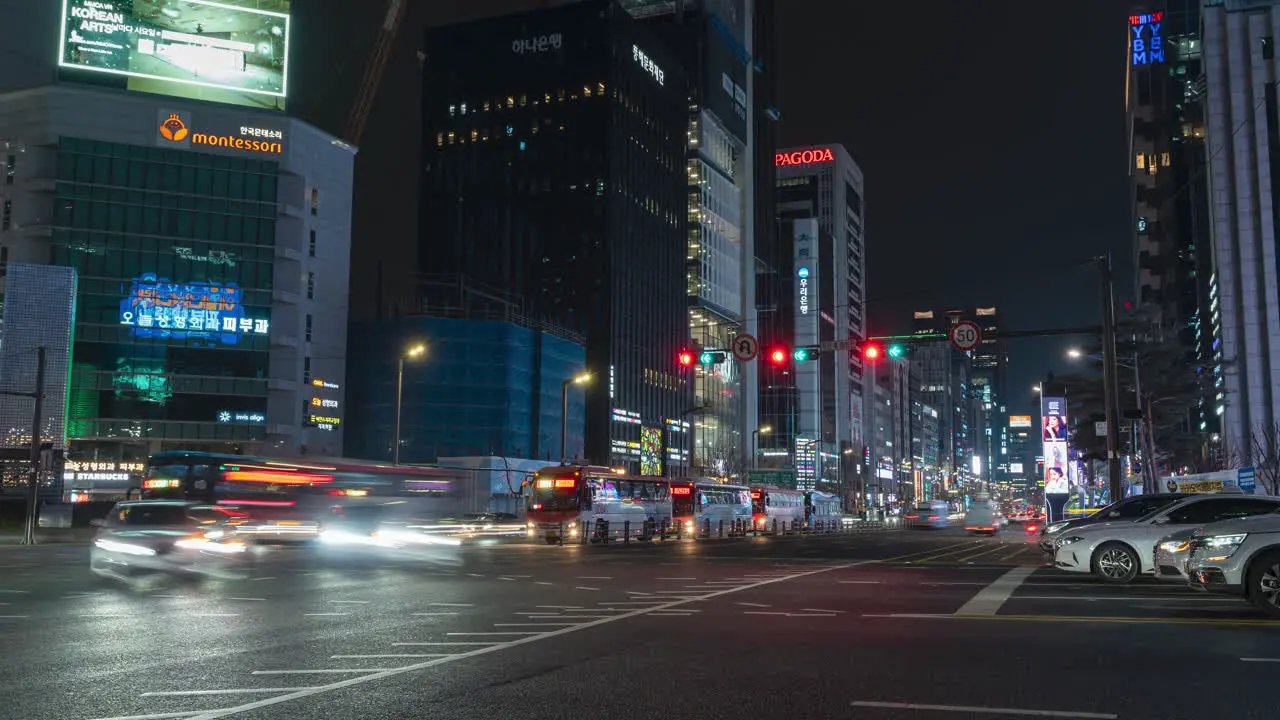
647	63
1147	40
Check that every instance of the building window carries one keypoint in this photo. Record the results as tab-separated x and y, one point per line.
1268	48
10	163
308	327
7	219
311	286
315	201
1140	161
311	244
306	369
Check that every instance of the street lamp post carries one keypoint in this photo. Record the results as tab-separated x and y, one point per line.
564	412
412	352
755	444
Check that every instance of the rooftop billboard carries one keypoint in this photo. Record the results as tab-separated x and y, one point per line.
233	51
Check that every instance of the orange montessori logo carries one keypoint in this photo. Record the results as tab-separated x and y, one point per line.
173	129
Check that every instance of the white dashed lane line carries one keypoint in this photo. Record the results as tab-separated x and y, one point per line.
517	638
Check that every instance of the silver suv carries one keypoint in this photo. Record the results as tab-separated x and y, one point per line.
1239	557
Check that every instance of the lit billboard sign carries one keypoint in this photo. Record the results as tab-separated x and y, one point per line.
183	47
240	416
214	313
1053	411
181	129
1147	40
650	451
803	157
1019	421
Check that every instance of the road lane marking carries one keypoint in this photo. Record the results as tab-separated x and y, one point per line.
300	693
349	602
318	672
983	553
897	558
989	599
573	610
671	613
560	607
655	601
1117	598
1260	660
864	582
250	599
433	614
582	587
389	655
20	617
262	578
540	582
155	715
747	604
214	615
593	577
451	604
985	710
408	644
463	634
676	578
788	614
509	579
816	610
15	592
579	617
324	614
228	691
1240	622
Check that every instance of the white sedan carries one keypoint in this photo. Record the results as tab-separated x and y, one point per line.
1117	552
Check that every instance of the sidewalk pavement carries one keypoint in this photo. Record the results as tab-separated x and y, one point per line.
12	537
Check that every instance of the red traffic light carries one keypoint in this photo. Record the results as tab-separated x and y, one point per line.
685	358
778	356
871	352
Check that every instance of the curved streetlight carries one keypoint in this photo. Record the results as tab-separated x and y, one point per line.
409	353
579	379
755	443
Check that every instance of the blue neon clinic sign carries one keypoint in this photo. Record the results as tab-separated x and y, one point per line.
215	313
1147	41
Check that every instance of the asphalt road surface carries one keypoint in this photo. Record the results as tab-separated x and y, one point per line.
883	626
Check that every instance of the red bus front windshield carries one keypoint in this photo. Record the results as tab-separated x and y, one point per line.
555	493
682	500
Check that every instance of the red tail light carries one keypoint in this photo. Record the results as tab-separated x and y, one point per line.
1032	528
933	517
912	517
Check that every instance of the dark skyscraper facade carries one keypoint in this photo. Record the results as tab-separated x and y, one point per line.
554	168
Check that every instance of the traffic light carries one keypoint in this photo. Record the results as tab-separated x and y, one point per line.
897	351
778	356
712	357
805	354
871	352
685	358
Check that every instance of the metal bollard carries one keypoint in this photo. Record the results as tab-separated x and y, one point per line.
706	528
679	530
626	532
560	533
720	529
775	526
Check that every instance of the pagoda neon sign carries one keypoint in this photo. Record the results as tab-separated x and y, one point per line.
803	157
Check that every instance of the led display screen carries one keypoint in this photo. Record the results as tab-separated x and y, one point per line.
211	313
650	451
233	51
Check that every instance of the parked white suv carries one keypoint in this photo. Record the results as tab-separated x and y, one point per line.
1239	557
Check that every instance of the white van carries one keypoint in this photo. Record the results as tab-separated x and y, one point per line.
928	514
983	517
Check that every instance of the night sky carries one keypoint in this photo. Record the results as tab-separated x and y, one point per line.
992	137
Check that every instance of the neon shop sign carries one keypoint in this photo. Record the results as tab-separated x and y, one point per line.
1147	42
804	290
803	157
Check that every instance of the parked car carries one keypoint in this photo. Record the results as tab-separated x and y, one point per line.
1130	508
1171	555
1239	557
1119	551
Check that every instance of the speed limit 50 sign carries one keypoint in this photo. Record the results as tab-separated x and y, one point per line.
965	336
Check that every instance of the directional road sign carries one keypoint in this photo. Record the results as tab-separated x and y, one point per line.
965	336
746	347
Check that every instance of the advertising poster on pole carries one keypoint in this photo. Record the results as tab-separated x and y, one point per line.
1053	424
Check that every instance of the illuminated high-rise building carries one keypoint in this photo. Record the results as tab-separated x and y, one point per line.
555	168
144	145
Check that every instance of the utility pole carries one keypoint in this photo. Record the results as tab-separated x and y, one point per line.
33	480
1110	376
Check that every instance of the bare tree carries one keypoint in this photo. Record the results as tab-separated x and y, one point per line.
1261	449
723	460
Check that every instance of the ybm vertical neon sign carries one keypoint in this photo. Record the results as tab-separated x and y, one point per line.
1147	42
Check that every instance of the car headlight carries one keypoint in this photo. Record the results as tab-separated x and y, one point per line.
1175	546
1221	547
1055	528
1063	542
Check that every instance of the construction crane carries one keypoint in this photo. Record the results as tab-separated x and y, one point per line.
373	72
